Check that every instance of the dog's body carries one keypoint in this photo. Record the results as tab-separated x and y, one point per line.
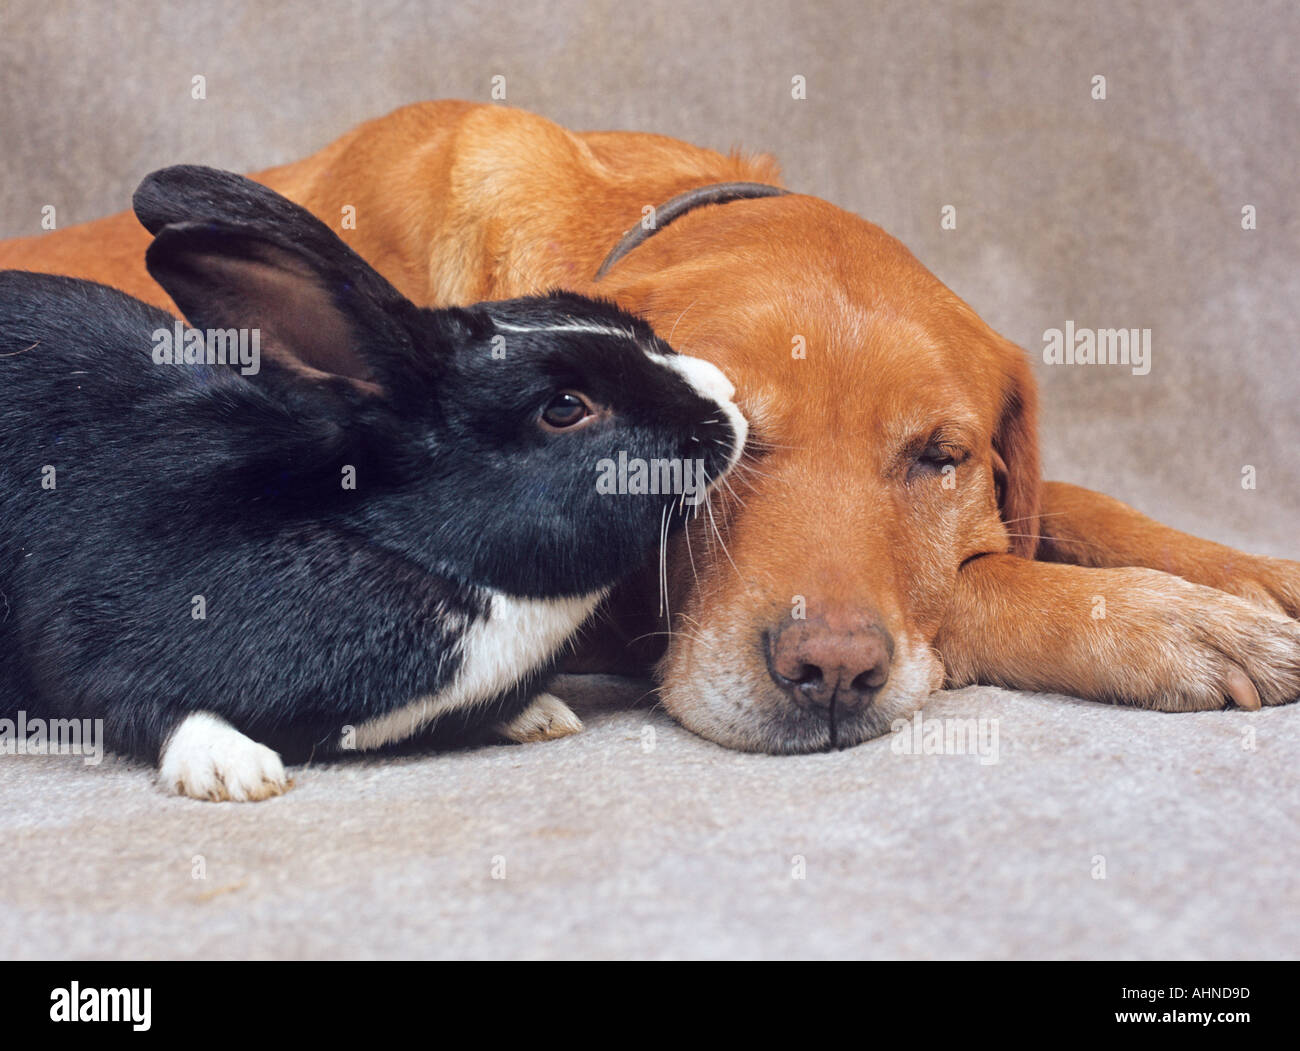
892	532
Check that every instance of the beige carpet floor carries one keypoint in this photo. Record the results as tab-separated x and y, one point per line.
622	843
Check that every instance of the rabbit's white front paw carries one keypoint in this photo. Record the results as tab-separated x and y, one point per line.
546	718
207	758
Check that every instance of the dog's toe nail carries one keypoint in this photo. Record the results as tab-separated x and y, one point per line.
1242	690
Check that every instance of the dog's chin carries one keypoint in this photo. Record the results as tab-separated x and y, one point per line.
744	710
792	733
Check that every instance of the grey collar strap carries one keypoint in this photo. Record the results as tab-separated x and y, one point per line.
718	193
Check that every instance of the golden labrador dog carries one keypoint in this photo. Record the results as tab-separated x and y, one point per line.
888	532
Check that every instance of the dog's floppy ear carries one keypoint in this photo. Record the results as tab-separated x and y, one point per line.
317	319
1015	454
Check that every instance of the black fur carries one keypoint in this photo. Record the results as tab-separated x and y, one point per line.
325	606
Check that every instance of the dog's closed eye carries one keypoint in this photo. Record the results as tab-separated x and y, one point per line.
933	454
940	456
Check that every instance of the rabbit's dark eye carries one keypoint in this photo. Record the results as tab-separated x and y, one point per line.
565	410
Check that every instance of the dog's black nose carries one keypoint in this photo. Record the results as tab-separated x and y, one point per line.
817	664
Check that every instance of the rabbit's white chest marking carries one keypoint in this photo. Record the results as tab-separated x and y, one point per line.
516	636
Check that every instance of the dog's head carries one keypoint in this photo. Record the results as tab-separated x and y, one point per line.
892	439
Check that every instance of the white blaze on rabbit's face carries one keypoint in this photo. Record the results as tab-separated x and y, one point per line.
575	327
711	383
516	636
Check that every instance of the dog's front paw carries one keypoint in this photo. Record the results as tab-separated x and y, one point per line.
207	758
1200	648
545	719
1273	583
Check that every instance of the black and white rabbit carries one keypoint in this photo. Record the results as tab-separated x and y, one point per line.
387	526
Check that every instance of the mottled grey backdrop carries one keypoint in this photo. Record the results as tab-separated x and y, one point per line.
1117	213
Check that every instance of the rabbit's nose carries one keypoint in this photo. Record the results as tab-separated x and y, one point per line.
705	377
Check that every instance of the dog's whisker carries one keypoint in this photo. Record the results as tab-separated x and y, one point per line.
663	564
695	576
1060	540
1030	518
721	543
692	303
725	481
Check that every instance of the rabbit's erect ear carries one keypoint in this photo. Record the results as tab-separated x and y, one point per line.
316	317
191	193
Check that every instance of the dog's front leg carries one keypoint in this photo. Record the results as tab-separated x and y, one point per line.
1132	636
1084	528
